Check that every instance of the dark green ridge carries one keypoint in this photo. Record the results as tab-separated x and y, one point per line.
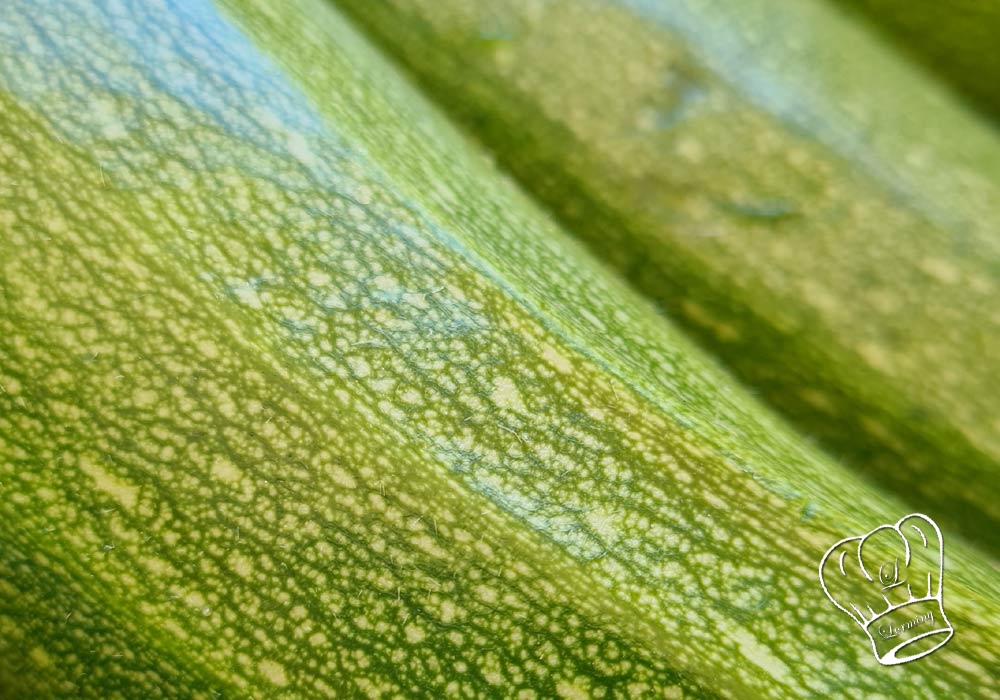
300	398
956	39
812	209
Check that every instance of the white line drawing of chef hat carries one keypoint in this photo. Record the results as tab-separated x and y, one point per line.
891	582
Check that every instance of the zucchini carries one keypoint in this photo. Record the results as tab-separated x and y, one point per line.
301	398
813	210
956	39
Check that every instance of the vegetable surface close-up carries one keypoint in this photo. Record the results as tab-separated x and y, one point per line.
956	39
302	396
812	208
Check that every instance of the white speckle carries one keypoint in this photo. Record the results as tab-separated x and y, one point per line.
487	594
875	355
385	283
124	493
224	470
359	366
941	270
273	672
414	635
556	359
247	295
410	396
240	564
448	612
506	396
40	657
691	150
593	320
760	655
144	398
318	278
343	478
299	148
572	690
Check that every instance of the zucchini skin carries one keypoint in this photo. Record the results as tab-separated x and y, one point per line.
956	39
813	210
301	398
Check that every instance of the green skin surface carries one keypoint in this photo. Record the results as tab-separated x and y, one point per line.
300	397
813	210
957	39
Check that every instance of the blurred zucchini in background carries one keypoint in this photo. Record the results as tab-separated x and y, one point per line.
817	212
300	398
957	39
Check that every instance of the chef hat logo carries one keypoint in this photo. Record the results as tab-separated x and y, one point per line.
890	582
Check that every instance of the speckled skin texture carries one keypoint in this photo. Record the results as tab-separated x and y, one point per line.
299	398
813	209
